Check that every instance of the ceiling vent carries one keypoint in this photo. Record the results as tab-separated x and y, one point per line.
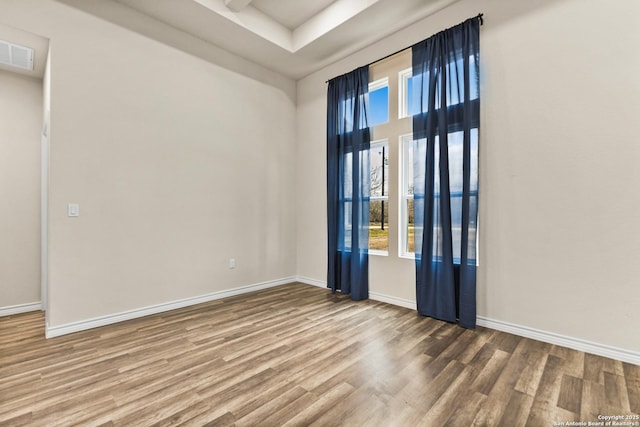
15	55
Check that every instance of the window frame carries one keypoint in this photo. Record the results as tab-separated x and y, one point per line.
376	85
404	142
403	92
383	142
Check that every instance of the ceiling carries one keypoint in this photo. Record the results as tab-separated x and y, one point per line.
291	13
291	37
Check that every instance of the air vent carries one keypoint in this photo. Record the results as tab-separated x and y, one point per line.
15	55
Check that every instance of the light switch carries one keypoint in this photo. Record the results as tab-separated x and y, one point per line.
73	209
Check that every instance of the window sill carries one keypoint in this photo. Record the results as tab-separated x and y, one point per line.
378	253
413	258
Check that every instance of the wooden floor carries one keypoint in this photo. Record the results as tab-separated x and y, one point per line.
298	355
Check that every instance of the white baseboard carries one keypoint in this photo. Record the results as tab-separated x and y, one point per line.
313	282
20	308
562	340
372	295
523	331
55	331
393	300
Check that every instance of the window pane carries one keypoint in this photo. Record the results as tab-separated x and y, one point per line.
379	225
407	166
455	157
345	240
347	181
456	162
413	96
379	164
346	110
379	106
410	227
379	192
407	219
411	87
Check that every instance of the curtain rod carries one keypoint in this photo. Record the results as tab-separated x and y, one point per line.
479	16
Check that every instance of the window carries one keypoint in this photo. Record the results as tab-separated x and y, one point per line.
347	203
407	228
379	196
409	146
409	90
409	104
379	164
385	149
406	108
378	102
377	114
345	110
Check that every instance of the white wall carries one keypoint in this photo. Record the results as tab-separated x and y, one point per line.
560	236
20	125
172	180
177	164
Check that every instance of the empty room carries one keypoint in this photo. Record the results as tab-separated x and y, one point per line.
327	212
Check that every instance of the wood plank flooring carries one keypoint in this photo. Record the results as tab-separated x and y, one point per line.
298	355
